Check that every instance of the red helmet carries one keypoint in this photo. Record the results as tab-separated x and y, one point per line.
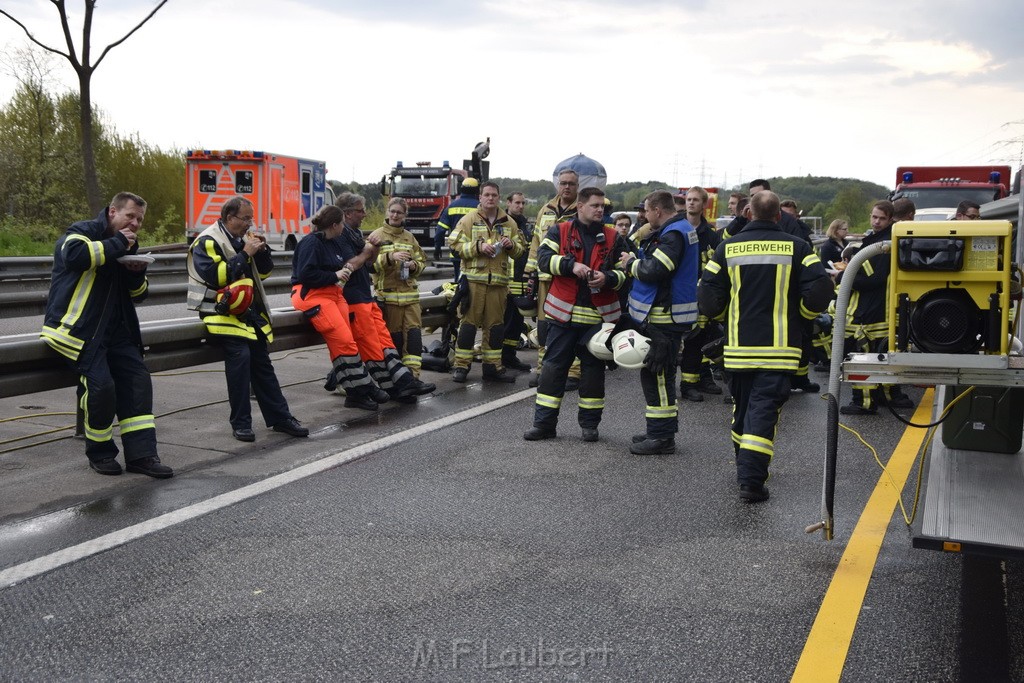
236	297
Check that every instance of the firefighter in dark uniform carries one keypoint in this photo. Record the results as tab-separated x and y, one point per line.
561	208
766	283
468	200
663	301
695	378
515	323
90	320
870	322
578	254
226	253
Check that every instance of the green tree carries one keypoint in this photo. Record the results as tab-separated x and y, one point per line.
851	203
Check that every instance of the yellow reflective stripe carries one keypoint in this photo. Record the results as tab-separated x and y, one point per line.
551	244
141	290
97	257
661	412
664	259
62	338
758	444
555	264
713	267
548	401
868	268
137	423
810	260
229	326
780	322
591	403
78	299
98	434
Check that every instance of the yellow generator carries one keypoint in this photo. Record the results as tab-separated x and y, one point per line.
949	288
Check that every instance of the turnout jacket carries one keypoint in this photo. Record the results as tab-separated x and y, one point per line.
872	287
387	280
764	282
470	234
549	215
215	260
664	291
454	212
88	285
570	299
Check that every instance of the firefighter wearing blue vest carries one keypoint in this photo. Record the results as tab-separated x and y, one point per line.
579	255
766	284
90	320
223	254
468	200
663	301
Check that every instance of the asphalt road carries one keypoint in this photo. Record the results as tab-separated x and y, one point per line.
430	542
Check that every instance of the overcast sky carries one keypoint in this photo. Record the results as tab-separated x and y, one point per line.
685	92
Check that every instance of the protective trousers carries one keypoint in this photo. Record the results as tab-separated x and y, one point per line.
691	359
487	313
404	324
565	343
247	363
870	396
328	311
514	328
759	399
662	412
114	381
376	347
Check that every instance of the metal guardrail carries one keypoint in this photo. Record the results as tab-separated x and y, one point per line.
28	365
25	281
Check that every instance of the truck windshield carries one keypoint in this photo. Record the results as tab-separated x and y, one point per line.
947	197
419	186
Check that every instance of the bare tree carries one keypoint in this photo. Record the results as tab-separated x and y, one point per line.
84	68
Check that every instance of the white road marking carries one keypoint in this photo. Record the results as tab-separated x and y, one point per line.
27	570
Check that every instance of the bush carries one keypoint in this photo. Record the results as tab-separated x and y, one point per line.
27	238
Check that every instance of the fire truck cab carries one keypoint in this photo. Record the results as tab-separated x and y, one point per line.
285	191
427	189
946	186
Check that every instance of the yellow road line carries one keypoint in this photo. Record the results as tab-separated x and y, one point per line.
828	643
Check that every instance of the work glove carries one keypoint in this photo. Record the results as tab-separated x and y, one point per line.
659	357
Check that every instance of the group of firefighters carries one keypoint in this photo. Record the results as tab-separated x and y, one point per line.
652	296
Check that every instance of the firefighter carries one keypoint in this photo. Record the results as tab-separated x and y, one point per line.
561	208
695	377
767	284
318	273
396	271
578	254
376	347
487	239
870	323
223	258
90	320
468	199
663	301
514	319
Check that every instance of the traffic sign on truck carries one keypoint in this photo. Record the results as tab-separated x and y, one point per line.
285	191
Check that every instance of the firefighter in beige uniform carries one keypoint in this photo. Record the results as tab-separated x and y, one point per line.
560	209
485	239
395	280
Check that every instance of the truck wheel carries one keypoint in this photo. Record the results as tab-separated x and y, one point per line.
289	244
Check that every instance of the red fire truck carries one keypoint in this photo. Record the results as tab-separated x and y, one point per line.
429	189
947	186
286	191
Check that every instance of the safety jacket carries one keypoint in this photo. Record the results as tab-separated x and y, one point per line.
664	290
569	299
765	282
215	260
546	217
451	216
872	285
387	278
315	263
471	233
87	283
708	238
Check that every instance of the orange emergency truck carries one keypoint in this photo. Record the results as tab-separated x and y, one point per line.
286	192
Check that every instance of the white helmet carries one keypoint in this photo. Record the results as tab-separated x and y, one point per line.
629	349
598	344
